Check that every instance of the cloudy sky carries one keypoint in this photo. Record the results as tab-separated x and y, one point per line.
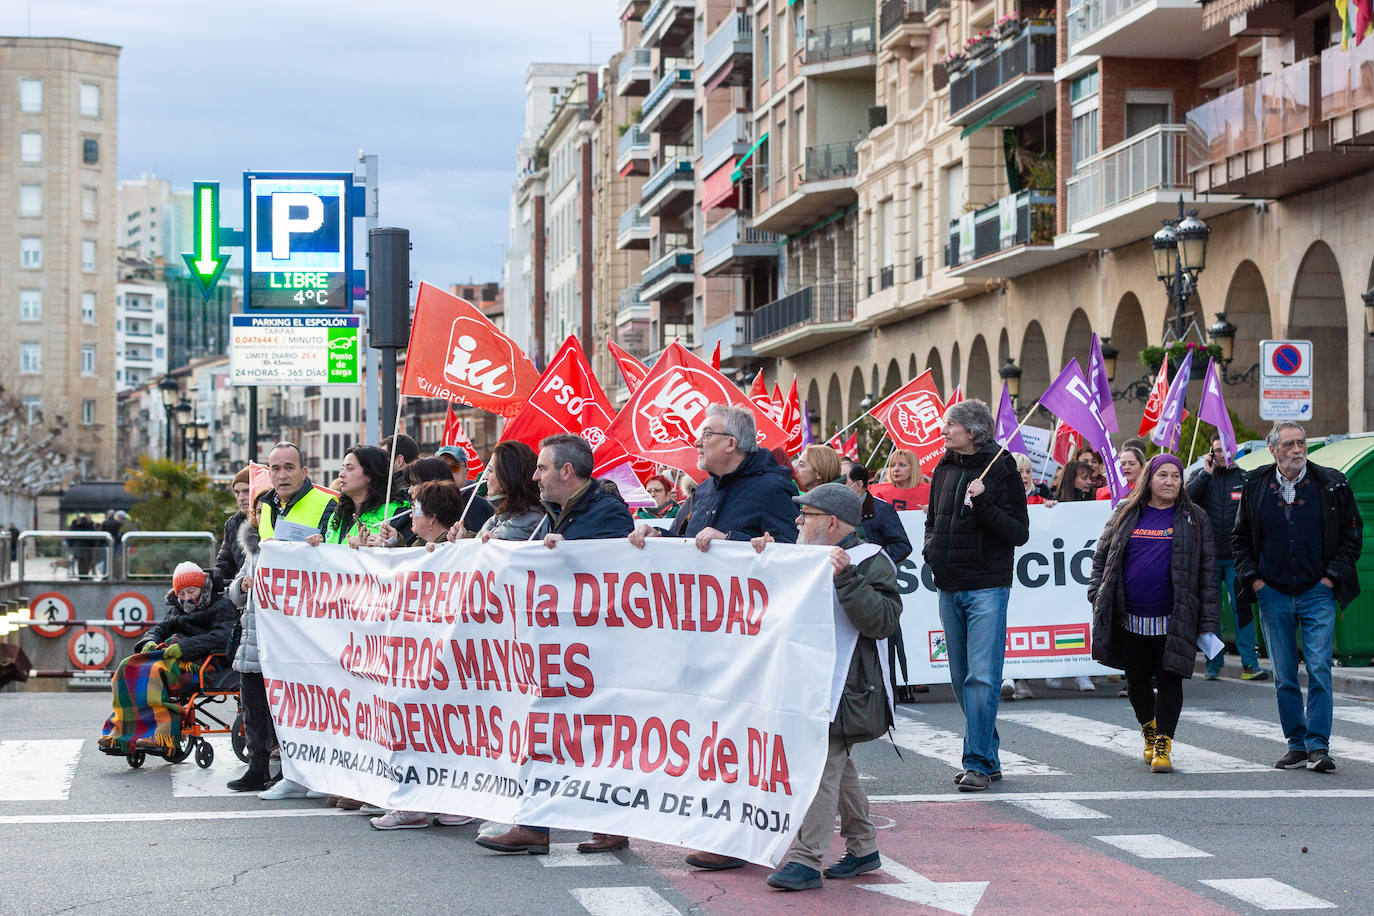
435	88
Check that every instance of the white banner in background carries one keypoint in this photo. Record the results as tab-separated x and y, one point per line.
1049	620
661	693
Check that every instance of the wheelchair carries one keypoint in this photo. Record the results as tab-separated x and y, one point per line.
201	702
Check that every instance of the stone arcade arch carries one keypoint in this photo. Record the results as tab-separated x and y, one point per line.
1129	337
979	371
1247	307
955	376
1034	360
812	403
937	369
834	408
894	379
1317	313
1078	340
856	394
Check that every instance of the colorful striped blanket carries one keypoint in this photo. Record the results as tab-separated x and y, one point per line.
144	709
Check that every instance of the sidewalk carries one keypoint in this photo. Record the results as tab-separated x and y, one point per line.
1355	682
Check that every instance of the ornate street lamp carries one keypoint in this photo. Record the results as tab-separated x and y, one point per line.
1180	252
167	388
1368	297
1223	334
1011	376
184	414
1109	354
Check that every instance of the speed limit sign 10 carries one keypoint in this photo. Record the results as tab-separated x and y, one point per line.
132	614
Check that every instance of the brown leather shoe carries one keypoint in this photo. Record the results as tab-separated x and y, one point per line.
603	842
348	804
710	861
517	839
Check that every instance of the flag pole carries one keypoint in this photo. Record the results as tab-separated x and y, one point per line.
395	427
850	425
1197	421
1024	421
874	454
475	487
1045	465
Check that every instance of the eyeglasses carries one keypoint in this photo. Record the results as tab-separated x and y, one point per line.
814	514
706	434
1292	444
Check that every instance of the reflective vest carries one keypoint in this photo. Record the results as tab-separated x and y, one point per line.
307	510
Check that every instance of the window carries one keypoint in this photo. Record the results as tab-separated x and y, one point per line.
1083	130
30	252
88	360
30	200
1147	108
88	308
954	192
30	305
90	151
30	359
30	147
30	96
88	412
799	28
348	410
33	407
90	100
88	255
90	200
765	57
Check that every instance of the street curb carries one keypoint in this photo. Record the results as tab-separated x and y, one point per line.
1358	682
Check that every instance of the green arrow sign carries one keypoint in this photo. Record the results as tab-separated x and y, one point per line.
205	263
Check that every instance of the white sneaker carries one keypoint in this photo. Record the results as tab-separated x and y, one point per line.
494	828
313	794
401	820
1023	690
1008	689
286	788
1084	683
1054	683
452	820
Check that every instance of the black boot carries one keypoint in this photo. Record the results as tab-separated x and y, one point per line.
251	781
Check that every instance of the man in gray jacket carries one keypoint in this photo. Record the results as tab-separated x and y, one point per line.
866	590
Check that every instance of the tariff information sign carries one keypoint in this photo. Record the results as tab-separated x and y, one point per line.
1285	380
298	241
294	349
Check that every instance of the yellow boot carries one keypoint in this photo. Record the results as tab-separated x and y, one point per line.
1148	731
1161	763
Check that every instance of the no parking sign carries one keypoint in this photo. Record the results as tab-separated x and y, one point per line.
1285	380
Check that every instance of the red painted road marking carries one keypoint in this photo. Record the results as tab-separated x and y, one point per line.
1029	871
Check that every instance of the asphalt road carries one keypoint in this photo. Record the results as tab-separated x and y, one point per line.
1079	824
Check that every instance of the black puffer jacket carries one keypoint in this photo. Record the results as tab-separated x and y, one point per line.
973	547
1192	571
230	558
595	513
1218	494
201	631
754	498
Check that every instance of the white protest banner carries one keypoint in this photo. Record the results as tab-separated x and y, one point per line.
664	693
1049	620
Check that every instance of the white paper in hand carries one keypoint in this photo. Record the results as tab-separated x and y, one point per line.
1210	645
284	530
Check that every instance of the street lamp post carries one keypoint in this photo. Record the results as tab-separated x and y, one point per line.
167	388
1180	250
184	412
1011	377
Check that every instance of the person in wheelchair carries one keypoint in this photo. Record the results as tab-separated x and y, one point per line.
197	624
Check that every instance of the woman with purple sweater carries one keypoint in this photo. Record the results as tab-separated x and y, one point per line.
1153	591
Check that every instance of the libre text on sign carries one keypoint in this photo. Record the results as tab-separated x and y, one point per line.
298	241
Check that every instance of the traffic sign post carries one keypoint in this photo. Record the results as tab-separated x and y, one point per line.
1285	380
51	607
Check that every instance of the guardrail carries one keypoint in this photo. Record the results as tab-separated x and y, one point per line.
822	303
81	554
155	554
1017	219
831	160
1153	159
631	220
677	77
676	168
1090	15
842	39
1032	51
630	139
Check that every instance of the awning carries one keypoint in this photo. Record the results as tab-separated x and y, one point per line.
738	173
1020	100
719	190
1215	12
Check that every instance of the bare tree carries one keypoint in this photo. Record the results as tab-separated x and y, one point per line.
36	457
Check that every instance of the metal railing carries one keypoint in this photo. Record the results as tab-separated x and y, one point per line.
918	268
1155	159
1270	108
1032	51
736	29
1347	80
831	160
78	554
631	220
677	260
1025	218
885	277
731	231
1088	16
632	138
653	12
677	77
676	168
155	554
819	304
896	12
628	302
728	133
843	39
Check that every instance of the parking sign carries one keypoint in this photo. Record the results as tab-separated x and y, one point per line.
1285	380
298	240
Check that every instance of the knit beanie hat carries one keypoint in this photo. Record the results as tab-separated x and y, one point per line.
187	575
240	477
1158	461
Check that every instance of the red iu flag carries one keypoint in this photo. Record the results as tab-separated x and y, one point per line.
455	436
1155	404
631	369
661	420
913	416
457	354
568	399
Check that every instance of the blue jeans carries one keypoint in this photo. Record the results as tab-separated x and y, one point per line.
1245	633
1314	611
975	624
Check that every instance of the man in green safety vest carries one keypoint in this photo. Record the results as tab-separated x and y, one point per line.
293	496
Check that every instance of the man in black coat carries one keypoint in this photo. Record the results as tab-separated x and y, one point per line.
1297	538
976	520
1216	489
230	557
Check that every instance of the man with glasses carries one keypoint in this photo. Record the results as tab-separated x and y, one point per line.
746	495
1298	534
1216	488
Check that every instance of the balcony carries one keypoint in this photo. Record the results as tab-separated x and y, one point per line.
1122	194
668	275
727	140
1347	93
632	10
669	105
631	307
1013	236
1012	84
1142	28
732	333
896	13
807	319
840	48
667	23
634	230
729	52
732	247
636	70
821	185
632	155
669	190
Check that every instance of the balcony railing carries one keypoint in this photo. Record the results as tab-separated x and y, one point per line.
1156	159
631	220
630	306
733	231
677	77
1347	80
731	132
634	68
820	304
896	12
735	30
632	138
831	160
1032	51
843	39
675	261
885	277
653	12
918	268
674	168
1087	16
1273	107
1026	218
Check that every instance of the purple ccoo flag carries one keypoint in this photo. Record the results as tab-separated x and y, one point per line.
1102	388
1008	433
1213	410
808	438
1170	425
1072	400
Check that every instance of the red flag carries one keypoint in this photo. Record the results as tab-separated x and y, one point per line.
456	436
779	402
758	393
1066	442
631	369
715	357
661	420
457	354
955	397
851	447
259	479
913	416
1155	405
792	420
568	399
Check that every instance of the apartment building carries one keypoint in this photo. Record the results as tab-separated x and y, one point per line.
57	252
140	339
567	144
155	220
1016	165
